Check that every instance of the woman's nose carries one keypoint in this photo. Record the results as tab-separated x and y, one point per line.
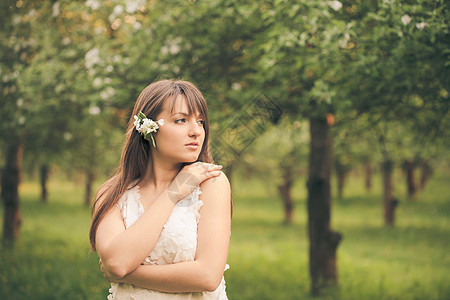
195	129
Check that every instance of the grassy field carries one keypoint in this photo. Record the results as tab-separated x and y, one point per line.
268	259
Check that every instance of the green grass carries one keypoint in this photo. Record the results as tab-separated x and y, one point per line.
268	259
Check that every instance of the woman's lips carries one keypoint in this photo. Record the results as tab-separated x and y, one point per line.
192	146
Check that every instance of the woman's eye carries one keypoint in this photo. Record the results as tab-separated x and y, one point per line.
180	121
202	122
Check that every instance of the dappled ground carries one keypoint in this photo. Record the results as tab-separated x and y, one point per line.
268	259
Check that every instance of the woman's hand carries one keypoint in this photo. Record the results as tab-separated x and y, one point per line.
190	177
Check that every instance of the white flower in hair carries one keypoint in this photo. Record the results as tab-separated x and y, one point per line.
146	126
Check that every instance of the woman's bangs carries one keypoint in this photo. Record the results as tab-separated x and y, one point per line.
195	105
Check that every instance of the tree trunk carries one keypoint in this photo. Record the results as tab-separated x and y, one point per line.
10	192
368	175
410	182
426	173
44	178
390	202
341	174
286	196
88	187
323	241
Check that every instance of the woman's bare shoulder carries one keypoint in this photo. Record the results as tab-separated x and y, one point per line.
219	185
220	181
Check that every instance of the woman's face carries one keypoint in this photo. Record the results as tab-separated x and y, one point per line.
180	139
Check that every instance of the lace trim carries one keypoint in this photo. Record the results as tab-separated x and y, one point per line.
129	204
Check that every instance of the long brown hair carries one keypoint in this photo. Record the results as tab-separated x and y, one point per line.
136	155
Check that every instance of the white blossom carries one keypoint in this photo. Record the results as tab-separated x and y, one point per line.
93	4
66	41
164	50
56	9
94	110
67	136
32	13
174	49
137	123
236	86
336	5
92	57
117	12
344	42
97	82
116	58
137	25
17	20
131	6
19	102
406	19
421	25
146	126
109	68
107	93
21	120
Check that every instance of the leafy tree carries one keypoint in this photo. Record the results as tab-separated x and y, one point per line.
295	64
42	89
17	50
282	149
396	68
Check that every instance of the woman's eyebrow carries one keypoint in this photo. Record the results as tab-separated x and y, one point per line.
180	113
186	114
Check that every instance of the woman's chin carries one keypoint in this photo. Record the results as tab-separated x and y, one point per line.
189	159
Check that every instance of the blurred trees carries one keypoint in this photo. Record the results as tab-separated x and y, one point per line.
18	47
397	71
294	52
282	149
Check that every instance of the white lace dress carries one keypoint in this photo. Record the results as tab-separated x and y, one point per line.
177	243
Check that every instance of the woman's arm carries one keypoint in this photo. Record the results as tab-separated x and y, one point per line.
122	251
205	273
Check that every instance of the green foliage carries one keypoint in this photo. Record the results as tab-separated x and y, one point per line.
395	62
280	147
82	65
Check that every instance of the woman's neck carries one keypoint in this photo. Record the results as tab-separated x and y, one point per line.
159	174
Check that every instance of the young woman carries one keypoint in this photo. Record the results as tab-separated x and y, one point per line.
161	225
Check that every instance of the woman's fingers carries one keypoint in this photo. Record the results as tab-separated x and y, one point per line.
212	172
190	177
